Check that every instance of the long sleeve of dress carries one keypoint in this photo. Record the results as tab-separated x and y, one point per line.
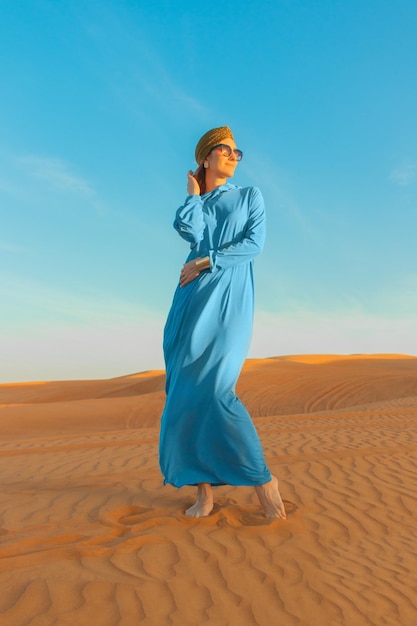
253	240
189	220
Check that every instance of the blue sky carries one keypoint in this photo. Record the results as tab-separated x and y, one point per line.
101	105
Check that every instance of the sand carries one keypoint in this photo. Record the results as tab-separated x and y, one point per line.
90	536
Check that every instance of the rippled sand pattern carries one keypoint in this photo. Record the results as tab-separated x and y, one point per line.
89	535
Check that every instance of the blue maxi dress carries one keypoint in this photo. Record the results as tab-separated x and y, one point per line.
207	435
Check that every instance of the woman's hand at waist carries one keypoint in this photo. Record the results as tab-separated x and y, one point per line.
192	269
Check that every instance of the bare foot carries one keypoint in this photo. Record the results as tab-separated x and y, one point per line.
270	499
204	503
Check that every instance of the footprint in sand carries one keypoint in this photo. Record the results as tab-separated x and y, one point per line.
257	518
238	516
128	516
135	516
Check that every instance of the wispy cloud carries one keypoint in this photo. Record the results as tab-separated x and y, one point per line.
56	174
7	246
58	304
65	352
52	333
143	79
404	174
324	333
8	187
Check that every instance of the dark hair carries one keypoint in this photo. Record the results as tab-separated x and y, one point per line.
200	176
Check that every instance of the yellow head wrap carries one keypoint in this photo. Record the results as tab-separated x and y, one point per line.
209	140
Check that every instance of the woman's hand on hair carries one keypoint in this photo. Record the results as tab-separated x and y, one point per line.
193	188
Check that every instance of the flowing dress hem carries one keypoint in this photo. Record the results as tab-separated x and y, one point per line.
240	483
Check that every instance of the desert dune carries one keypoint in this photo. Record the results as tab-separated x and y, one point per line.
90	536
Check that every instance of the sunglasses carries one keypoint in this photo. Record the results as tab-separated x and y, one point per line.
227	151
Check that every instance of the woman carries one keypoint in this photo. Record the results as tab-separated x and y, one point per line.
207	436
